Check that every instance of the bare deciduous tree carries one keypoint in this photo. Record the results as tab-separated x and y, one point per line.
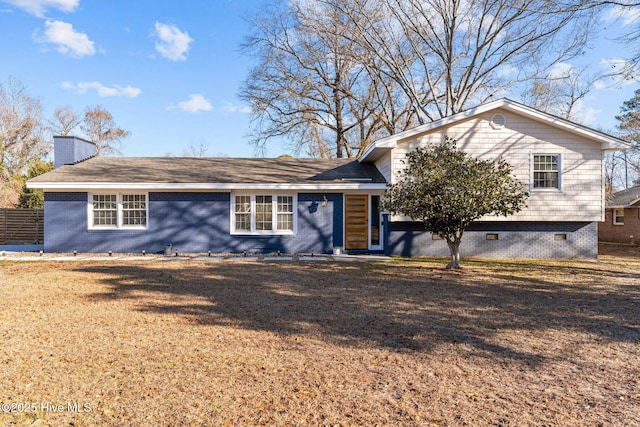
334	74
448	55
199	150
10	187
100	128
630	38
310	84
64	121
21	131
561	92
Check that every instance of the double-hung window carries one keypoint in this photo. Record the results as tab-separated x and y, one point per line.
117	210
242	215
618	217
284	213
546	172
263	214
134	210
105	210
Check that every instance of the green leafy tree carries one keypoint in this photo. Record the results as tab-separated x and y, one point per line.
447	190
33	198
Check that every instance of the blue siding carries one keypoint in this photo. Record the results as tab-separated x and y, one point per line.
515	240
191	222
65	221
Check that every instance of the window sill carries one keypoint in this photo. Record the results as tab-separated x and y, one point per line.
114	228
546	190
262	233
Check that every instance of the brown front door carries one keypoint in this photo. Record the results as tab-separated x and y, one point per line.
356	222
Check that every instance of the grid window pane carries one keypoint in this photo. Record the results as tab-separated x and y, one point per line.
105	209
243	213
285	213
134	209
264	213
618	216
545	171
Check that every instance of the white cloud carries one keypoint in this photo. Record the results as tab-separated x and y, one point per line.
172	43
627	15
67	40
590	116
230	108
102	90
599	84
38	7
560	70
195	104
506	71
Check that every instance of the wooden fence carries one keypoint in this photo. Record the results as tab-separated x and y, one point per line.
21	226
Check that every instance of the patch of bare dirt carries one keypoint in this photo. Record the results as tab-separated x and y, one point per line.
503	343
619	250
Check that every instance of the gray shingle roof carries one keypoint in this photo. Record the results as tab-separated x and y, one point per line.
623	198
212	170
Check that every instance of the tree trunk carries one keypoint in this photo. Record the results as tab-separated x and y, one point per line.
454	247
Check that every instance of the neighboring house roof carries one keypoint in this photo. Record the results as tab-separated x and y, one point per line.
624	198
607	142
211	173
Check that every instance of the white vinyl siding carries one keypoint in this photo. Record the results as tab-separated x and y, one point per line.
580	163
117	210
263	214
384	165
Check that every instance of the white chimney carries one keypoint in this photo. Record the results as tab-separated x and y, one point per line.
68	150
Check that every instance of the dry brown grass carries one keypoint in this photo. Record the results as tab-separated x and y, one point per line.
404	343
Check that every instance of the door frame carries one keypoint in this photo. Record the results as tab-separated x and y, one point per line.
370	246
380	245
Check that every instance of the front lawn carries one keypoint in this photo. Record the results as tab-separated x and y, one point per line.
320	343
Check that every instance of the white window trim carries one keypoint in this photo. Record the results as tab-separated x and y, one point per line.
615	216
380	225
531	173
274	217
119	217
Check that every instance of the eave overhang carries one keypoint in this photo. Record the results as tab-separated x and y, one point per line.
155	186
607	142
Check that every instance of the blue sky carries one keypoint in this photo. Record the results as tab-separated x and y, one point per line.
169	71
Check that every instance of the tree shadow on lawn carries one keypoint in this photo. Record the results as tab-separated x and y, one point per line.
398	306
